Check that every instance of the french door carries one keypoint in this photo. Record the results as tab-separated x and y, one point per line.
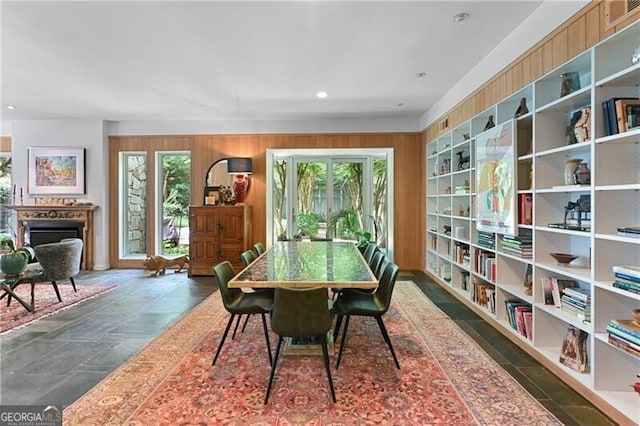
338	196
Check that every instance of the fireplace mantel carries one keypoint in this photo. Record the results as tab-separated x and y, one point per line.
77	213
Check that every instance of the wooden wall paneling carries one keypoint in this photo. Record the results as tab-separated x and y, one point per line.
547	56
206	149
560	48
537	69
5	143
592	27
576	37
526	70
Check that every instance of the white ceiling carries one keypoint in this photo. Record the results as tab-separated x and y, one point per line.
211	60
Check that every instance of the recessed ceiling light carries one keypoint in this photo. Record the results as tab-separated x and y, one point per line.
322	95
459	17
11	107
400	104
421	74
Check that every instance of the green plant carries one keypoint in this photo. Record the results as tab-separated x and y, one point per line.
344	224
307	223
364	239
7	243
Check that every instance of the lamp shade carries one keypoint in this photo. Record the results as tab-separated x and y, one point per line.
242	166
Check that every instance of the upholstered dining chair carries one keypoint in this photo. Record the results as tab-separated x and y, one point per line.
359	303
237	302
301	312
60	261
247	257
259	248
369	252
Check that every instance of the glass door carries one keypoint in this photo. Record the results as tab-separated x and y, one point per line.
338	197
173	191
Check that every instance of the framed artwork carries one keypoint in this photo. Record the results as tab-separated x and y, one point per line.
56	171
495	180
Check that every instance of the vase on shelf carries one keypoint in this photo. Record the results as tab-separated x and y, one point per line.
583	174
570	168
570	83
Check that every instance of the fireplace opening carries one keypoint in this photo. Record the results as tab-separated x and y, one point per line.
44	232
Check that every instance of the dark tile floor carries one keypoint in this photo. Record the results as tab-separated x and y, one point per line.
57	359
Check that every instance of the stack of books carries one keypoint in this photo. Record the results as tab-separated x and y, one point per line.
577	301
484	295
627	277
520	317
521	245
629	231
625	334
487	239
486	265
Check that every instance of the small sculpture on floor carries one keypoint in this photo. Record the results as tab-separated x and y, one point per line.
159	264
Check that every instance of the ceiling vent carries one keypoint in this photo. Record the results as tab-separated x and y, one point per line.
618	10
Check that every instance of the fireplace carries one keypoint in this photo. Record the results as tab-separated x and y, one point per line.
43	232
46	224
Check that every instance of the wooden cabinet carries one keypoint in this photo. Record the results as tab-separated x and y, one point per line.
218	233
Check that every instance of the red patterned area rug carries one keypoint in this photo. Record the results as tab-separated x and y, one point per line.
445	377
46	301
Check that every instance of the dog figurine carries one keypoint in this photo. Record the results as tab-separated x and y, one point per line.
159	264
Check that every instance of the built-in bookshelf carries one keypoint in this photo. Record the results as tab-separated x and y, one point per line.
488	272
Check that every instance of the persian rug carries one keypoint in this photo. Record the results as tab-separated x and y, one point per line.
46	301
445	377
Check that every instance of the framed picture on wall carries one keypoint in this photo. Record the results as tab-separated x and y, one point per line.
495	180
56	171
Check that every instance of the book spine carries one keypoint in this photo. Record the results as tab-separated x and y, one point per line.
627	287
623	345
627	271
624	329
625	336
577	295
628	277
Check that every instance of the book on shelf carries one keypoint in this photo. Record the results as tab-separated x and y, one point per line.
578	313
630	229
547	290
610	115
628	270
611	329
528	324
623	109
573	351
559	284
525	210
624	345
581	294
582	306
627	285
628	234
627	325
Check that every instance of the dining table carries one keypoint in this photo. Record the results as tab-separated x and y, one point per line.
300	264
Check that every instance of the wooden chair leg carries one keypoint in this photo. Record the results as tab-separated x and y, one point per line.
344	340
273	370
325	355
266	336
224	336
383	330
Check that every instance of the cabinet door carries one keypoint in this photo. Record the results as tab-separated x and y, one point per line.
231	226
203	240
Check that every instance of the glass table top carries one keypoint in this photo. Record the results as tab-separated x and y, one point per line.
295	263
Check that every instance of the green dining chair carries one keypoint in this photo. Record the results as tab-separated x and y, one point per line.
248	257
369	251
237	302
359	303
301	312
259	248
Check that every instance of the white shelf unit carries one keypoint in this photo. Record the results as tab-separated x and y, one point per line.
543	148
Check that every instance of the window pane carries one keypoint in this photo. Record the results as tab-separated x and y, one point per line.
6	194
280	200
134	211
175	190
347	217
311	215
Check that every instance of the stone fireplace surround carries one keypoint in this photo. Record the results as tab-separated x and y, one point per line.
58	222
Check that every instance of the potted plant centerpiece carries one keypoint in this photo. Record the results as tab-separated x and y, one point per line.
15	260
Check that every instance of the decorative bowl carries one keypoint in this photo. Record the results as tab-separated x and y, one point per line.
563	258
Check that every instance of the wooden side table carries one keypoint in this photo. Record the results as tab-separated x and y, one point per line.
9	284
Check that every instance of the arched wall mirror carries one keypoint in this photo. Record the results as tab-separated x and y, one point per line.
232	173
